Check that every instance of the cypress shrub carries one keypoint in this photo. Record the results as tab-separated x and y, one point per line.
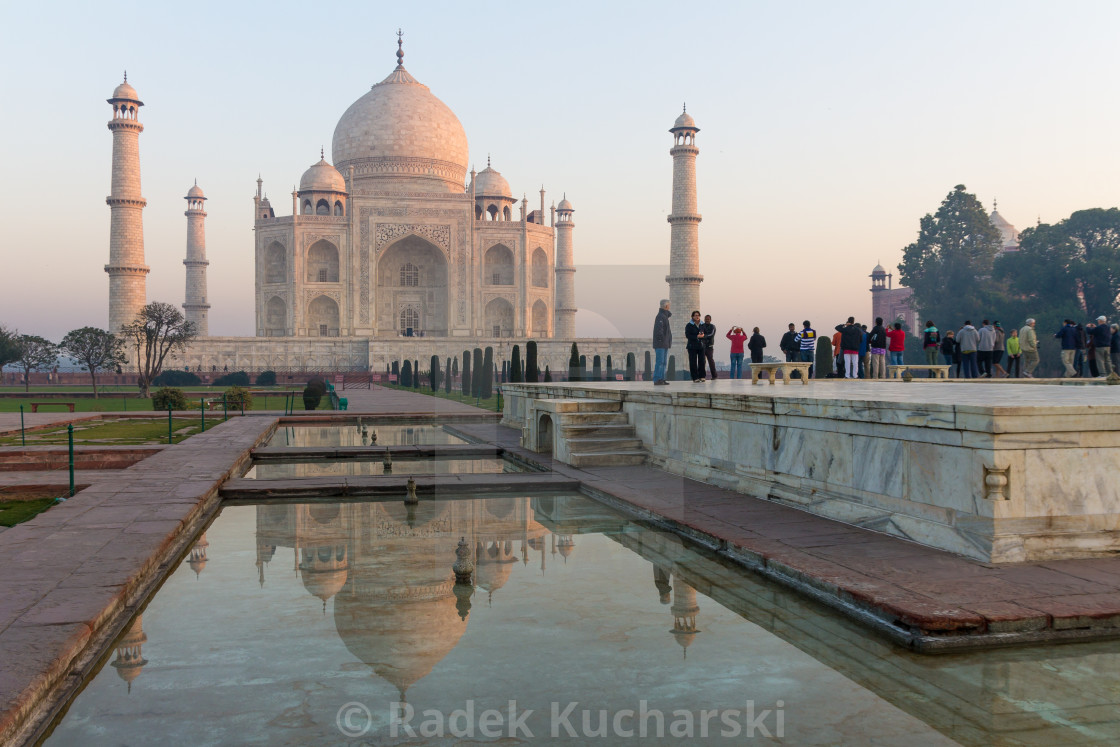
671	369
547	375
532	372
433	373
824	363
574	367
647	369
631	367
266	378
397	370
479	374
583	375
448	376
406	374
465	385
515	373
487	389
415	374
610	368
312	396
596	369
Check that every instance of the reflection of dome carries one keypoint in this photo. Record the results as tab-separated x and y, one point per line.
323	584
401	641
399	130
415	514
322	177
130	659
566	545
197	558
490	183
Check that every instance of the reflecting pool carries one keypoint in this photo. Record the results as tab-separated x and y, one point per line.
275	470
363	435
339	622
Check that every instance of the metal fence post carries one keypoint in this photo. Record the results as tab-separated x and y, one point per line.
22	436
225	410
70	438
202	409
168	425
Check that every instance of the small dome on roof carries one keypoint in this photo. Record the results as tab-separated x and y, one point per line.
195	192
125	91
565	205
685	120
322	177
879	270
1009	235
491	183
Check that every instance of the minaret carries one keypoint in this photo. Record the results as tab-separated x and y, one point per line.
195	307
565	328
127	292
684	241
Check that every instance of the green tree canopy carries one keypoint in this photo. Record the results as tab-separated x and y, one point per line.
96	349
949	267
34	353
9	346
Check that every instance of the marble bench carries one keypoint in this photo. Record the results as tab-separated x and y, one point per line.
895	372
786	367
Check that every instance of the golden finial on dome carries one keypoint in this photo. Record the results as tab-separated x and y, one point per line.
400	49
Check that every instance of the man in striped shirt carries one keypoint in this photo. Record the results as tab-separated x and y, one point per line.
807	341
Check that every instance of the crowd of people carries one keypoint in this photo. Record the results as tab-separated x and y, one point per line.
859	352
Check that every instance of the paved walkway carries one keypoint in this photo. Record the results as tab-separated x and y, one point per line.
383	401
925	598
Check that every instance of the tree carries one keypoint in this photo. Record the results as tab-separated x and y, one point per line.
671	369
479	374
547	375
823	364
609	373
631	367
415	374
950	266
406	374
396	371
433	373
573	364
647	368
96	349
34	353
447	377
487	388
532	370
9	346
466	387
158	330
515	374
596	369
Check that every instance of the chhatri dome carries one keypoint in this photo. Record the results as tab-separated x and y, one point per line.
400	132
322	177
490	183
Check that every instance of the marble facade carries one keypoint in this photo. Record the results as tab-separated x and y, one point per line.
1002	475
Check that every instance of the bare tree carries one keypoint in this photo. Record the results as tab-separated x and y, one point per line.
158	330
34	353
96	349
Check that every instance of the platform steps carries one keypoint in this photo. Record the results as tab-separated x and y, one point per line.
599	434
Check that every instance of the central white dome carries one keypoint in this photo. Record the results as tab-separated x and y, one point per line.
402	134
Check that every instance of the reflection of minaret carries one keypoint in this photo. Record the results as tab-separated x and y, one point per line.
264	555
567	546
661	581
684	611
197	559
129	659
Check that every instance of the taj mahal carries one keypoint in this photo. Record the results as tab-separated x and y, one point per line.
386	254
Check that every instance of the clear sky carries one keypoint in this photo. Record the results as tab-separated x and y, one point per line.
827	130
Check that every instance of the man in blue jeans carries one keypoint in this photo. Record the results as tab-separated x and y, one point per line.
806	340
662	341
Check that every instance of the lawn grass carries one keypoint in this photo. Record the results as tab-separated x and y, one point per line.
16	512
129	432
116	402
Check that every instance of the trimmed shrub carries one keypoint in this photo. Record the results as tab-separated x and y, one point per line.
479	374
177	379
647	368
319	383
671	369
237	378
266	378
631	367
415	374
487	388
169	398
238	398
406	374
465	386
433	373
547	375
515	374
312	396
574	366
823	363
609	373
596	369
448	377
532	371
396	371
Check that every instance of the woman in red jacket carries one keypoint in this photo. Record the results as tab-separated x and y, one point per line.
737	337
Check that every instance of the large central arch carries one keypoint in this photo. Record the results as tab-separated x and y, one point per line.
412	273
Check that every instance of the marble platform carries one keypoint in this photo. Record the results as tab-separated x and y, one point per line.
999	474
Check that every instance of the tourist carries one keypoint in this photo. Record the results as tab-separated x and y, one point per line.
1091	350
877	344
807	344
788	345
1114	349
1068	335
969	340
948	349
737	337
984	351
694	333
931	343
1079	350
709	347
1028	343
756	344
863	351
1014	353
662	341
1102	340
850	337
997	351
896	343
837	354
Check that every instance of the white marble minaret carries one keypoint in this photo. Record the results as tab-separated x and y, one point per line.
684	240
126	268
565	328
195	307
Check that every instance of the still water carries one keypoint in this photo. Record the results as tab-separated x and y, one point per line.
273	470
365	435
341	622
